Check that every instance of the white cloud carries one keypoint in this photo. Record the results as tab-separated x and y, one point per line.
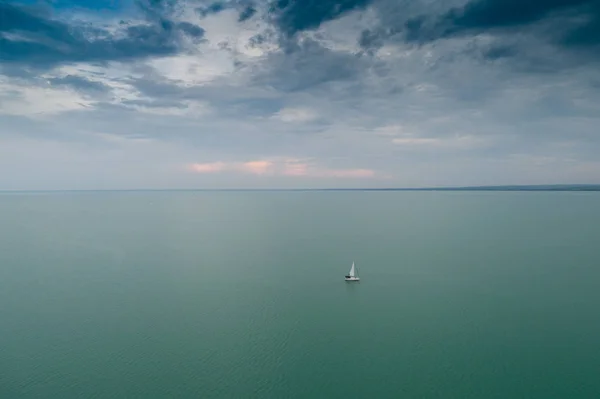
295	115
115	77
38	101
193	109
417	141
194	69
456	142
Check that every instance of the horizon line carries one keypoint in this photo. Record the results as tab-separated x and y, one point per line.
516	187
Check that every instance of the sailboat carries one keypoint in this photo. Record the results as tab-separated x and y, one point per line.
352	275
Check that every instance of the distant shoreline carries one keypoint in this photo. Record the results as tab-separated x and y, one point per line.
556	187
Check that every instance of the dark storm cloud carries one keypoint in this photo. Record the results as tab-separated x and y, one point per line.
246	8
589	33
292	16
247	13
191	29
484	14
480	16
569	23
306	64
213	8
28	36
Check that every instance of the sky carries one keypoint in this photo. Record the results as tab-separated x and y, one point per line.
177	94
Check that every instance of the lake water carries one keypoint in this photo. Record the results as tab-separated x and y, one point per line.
241	295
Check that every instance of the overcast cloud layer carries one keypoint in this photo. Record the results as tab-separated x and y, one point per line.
103	94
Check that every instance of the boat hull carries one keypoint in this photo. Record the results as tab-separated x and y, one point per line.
351	278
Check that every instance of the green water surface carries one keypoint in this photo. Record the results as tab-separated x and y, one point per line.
241	295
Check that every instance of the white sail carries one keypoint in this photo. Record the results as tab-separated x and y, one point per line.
351	274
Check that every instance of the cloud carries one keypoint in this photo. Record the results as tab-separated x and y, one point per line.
456	142
569	24
247	13
78	83
213	8
488	14
416	141
425	93
296	168
191	70
212	167
290	167
192	109
305	64
295	115
30	36
257	167
38	101
293	16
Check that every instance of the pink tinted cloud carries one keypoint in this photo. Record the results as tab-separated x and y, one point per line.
300	168
253	167
212	167
282	167
257	167
295	169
